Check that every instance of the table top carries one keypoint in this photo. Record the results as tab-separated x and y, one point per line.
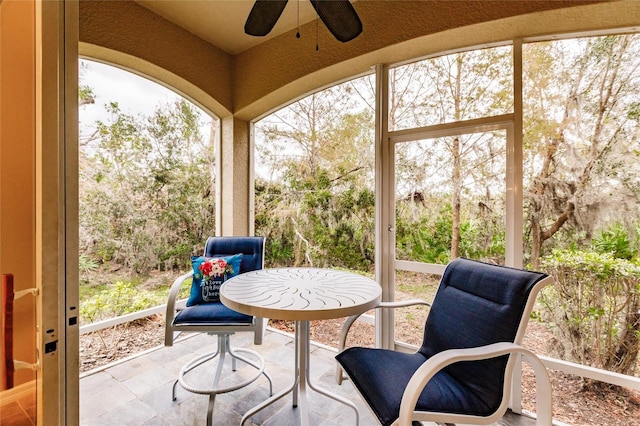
300	293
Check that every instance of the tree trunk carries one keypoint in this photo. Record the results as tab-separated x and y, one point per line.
455	201
626	356
536	243
456	152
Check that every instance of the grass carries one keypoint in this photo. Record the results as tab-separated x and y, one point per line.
411	285
108	291
87	291
409	321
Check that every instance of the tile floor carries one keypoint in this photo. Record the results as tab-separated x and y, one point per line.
137	391
21	412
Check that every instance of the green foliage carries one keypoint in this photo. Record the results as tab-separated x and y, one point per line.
593	308
423	235
423	238
85	94
322	209
87	264
320	212
117	299
614	240
89	290
581	158
146	198
483	240
634	111
317	224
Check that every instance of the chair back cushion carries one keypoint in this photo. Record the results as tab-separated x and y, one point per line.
242	254
478	304
251	248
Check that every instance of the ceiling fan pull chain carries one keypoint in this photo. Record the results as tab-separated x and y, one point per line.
317	24
298	31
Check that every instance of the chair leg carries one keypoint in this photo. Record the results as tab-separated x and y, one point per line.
235	356
207	358
224	347
212	400
222	350
173	392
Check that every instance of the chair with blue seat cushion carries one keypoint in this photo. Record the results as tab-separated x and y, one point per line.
223	258
462	372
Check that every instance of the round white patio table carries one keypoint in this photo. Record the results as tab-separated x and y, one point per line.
300	295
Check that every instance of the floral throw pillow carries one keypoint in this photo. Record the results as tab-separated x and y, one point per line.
208	275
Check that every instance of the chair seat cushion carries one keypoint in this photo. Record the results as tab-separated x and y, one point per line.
211	313
382	387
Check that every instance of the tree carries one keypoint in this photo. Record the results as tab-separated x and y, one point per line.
581	129
452	88
316	171
145	195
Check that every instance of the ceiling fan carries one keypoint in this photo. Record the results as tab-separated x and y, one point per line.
338	15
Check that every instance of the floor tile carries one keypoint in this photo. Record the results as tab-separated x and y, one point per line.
113	395
138	391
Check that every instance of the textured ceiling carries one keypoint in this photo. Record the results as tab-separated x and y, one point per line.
221	22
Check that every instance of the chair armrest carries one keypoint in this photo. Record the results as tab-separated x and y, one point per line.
171	307
350	320
439	361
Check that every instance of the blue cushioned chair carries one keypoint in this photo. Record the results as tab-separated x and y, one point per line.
462	372
216	319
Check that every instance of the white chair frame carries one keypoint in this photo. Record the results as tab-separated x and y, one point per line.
445	358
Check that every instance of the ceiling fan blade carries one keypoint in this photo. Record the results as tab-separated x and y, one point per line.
263	16
340	18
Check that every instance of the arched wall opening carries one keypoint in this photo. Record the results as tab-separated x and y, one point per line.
157	74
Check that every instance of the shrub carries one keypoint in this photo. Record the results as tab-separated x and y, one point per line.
118	299
614	240
593	308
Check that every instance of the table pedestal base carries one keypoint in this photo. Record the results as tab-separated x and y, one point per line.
301	381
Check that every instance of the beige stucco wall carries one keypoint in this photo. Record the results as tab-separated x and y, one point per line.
414	29
126	34
283	68
17	170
